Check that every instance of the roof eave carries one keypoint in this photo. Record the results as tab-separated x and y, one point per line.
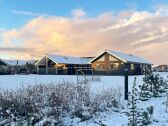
139	62
116	56
45	57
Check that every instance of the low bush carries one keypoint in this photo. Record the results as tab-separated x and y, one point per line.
153	86
52	102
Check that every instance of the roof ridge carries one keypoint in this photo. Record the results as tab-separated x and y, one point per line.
62	55
125	57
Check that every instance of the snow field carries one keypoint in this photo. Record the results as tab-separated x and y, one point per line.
110	118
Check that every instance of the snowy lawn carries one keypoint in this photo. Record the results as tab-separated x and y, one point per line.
160	117
110	118
15	81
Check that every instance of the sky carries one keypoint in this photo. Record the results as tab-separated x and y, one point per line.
31	28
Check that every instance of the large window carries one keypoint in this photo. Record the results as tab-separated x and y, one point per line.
60	66
114	65
132	66
112	58
101	58
100	66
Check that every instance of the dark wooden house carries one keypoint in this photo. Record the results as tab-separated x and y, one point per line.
63	65
116	63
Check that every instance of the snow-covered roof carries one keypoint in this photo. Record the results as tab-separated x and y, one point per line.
18	62
66	59
125	57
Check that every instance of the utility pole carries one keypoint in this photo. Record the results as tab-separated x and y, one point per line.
126	83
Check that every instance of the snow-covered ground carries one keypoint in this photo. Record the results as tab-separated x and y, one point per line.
109	118
112	118
15	81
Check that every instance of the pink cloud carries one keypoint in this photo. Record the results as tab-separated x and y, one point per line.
141	33
78	13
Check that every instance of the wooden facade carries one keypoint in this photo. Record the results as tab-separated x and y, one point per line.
107	64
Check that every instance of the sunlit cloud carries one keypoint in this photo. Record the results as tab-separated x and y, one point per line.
138	32
15	49
28	13
78	13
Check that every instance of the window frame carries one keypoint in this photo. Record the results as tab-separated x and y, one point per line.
114	66
99	66
102	58
132	66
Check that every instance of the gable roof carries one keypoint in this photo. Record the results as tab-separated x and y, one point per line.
127	58
66	59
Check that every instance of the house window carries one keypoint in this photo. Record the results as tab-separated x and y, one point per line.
112	58
101	58
144	67
100	66
114	65
132	66
59	66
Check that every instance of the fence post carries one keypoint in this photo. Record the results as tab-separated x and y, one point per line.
126	83
92	74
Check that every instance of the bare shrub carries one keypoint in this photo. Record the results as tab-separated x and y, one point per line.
53	102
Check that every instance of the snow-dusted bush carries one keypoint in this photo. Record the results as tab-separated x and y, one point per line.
138	116
28	68
146	116
49	104
133	113
153	86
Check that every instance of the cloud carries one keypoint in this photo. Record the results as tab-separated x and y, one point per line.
15	49
134	17
78	13
161	9
28	13
141	33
